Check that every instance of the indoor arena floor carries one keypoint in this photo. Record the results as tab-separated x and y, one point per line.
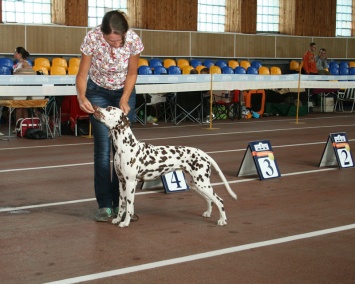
296	228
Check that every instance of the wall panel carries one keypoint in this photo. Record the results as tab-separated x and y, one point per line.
12	36
164	43
292	46
54	40
254	46
336	47
212	44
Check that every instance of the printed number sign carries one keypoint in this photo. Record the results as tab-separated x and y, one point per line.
174	182
259	159
337	151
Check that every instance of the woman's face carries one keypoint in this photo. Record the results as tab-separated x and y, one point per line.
17	55
114	40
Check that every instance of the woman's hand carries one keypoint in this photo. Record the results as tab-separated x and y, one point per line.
85	105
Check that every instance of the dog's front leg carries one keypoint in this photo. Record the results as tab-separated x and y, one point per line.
130	192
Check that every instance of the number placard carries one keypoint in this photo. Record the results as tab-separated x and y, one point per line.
261	161
337	151
174	182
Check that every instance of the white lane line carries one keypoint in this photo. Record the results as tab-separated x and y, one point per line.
9	209
199	256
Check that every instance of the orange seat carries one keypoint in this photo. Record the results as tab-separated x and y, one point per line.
169	62
75	61
58	70
182	62
233	63
44	62
275	70
198	68
41	68
248	98
215	70
58	61
143	62
263	70
294	65
73	70
186	69
245	64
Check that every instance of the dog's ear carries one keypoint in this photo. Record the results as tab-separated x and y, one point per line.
125	120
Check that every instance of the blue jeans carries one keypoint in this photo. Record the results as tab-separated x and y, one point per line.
105	178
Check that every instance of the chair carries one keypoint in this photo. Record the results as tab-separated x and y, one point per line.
4	70
199	68
75	61
73	70
274	70
174	70
169	62
60	62
333	64
351	64
294	66
343	71
208	63
7	62
57	70
143	61
252	70
263	70
334	71
343	64
215	70
41	68
227	70
186	69
256	64
160	70
144	70
233	64
182	62
195	62
239	70
347	95
227	105
352	71
221	64
155	62
44	62
245	64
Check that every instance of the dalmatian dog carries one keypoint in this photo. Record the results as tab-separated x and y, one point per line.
135	161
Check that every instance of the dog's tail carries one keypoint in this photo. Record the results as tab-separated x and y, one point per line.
223	178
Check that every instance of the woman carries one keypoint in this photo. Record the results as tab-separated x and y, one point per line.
22	67
110	55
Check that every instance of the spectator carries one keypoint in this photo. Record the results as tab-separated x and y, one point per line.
110	55
193	71
309	60
322	62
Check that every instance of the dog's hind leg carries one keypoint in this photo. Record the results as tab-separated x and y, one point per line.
211	197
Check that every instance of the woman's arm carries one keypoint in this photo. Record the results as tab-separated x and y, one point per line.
129	83
81	83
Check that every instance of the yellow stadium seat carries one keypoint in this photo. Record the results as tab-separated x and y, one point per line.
186	69
274	70
233	63
182	62
75	61
41	68
215	70
44	62
294	65
263	70
60	62
143	62
245	64
73	70
58	70
198	68
169	62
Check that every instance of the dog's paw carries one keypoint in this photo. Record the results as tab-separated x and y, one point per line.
206	214
116	220
123	224
222	222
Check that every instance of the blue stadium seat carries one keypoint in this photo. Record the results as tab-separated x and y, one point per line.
144	70
333	64
256	65
352	71
227	70
4	70
239	70
334	71
174	70
343	71
195	62
252	70
221	63
208	63
343	64
6	62
160	70
155	62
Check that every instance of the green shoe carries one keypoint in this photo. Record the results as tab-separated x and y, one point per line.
103	214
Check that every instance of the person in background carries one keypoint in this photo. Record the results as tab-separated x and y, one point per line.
110	55
322	62
22	67
193	71
309	61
